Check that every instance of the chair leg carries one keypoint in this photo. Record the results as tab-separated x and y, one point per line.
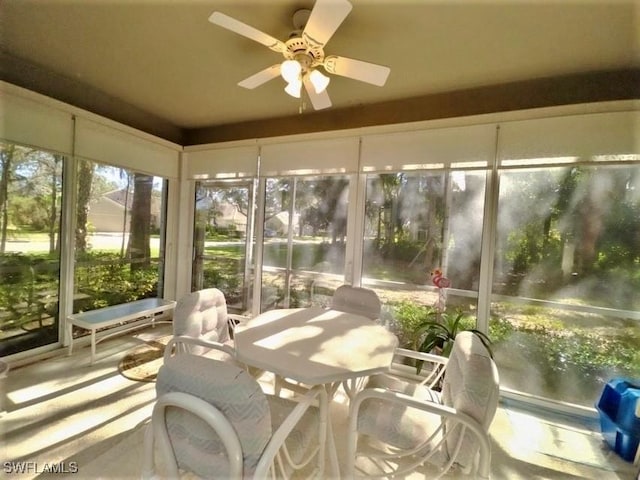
148	470
277	385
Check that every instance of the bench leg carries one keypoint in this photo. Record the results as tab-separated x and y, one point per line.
93	345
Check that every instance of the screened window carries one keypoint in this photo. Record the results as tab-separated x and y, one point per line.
567	269
30	209
305	229
119	237
415	224
223	240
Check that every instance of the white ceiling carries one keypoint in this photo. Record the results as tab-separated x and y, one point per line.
165	58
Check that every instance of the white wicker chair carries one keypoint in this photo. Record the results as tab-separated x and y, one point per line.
358	300
212	419
361	301
201	322
398	424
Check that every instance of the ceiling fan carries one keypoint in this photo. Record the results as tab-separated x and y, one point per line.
304	52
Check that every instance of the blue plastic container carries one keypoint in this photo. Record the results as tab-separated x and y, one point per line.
629	411
619	409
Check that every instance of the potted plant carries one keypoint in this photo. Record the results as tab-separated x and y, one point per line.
434	336
434	329
437	331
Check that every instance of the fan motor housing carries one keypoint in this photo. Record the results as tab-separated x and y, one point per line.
308	56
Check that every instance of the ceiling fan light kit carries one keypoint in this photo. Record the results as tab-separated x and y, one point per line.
304	52
294	88
290	70
320	81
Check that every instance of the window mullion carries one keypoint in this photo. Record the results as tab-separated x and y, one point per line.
489	228
67	242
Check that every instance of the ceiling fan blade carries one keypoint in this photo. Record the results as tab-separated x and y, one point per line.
318	100
248	31
261	77
325	18
356	69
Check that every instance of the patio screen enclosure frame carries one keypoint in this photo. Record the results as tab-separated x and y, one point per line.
594	136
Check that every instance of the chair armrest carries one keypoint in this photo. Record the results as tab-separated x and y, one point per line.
158	434
427	357
484	464
180	341
428	377
276	443
409	401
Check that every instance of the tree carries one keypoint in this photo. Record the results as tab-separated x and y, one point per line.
323	204
465	225
383	192
6	164
124	173
40	180
277	196
54	196
32	181
139	249
86	170
590	218
428	205
619	244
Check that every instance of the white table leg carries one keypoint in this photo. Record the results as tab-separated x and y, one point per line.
93	345
331	441
333	454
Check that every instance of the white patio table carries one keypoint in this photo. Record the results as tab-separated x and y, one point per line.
316	346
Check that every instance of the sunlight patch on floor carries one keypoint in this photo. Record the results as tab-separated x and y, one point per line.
45	388
536	440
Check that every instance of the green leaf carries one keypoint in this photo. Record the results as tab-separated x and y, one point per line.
432	327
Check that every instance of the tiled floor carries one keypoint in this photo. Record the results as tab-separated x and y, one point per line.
64	410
